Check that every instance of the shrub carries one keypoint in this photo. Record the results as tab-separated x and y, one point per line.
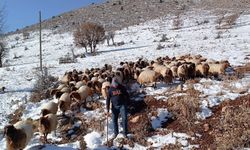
177	22
159	47
42	86
163	38
227	21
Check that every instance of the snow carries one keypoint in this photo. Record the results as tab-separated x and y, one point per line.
93	140
162	115
20	73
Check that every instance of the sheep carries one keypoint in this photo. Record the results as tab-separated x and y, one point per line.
19	134
47	124
81	94
201	70
148	76
217	69
164	71
49	108
64	102
66	78
191	70
105	87
174	70
62	88
166	74
182	72
79	84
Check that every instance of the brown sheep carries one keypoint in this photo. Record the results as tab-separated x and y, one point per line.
19	134
47	124
191	70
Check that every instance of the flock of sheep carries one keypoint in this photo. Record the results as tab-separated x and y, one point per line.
76	86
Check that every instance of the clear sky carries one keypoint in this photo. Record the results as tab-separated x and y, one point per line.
20	13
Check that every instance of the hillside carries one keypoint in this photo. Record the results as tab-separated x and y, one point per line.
117	14
210	112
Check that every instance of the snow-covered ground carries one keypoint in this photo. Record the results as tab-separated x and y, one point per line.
19	75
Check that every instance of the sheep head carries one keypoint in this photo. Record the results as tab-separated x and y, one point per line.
44	112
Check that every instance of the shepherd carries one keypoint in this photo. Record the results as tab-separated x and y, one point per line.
119	98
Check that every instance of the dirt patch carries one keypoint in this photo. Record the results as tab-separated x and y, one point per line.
227	128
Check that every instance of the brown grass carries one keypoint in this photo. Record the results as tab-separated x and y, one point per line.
235	122
16	116
184	108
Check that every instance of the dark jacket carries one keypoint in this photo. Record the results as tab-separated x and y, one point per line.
118	96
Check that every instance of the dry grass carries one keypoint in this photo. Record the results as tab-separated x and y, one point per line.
235	124
241	70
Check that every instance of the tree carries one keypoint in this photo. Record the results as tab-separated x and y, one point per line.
110	35
2	43
89	35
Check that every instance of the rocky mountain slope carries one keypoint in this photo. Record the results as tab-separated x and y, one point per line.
117	14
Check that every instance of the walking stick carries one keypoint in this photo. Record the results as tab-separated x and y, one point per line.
107	128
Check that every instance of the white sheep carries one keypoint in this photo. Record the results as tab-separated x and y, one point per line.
19	134
182	72
47	124
81	94
148	76
218	69
49	108
64	102
202	69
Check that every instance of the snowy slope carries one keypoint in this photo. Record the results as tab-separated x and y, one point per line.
19	75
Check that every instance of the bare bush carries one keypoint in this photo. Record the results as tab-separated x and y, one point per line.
184	108
3	50
26	35
159	47
42	86
89	35
227	21
177	22
164	38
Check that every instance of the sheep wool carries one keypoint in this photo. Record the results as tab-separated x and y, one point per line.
50	107
19	134
47	124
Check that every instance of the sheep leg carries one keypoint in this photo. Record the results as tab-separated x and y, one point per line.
154	85
45	138
55	133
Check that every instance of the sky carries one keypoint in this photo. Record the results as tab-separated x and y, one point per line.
21	13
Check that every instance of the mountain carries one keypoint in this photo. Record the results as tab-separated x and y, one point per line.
117	14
